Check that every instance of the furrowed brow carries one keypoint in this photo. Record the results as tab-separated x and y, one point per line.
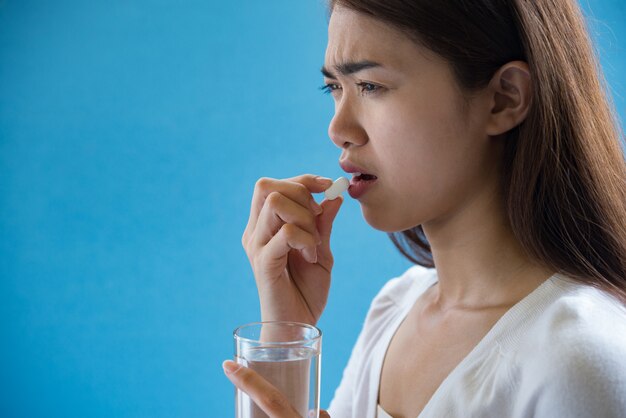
348	68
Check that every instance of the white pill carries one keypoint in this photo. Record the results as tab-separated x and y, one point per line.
339	186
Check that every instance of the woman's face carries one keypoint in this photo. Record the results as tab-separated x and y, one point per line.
405	122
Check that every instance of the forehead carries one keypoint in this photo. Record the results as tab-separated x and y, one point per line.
354	36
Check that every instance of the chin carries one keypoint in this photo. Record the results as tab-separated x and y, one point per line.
384	221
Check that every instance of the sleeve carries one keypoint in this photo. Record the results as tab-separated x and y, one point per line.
589	380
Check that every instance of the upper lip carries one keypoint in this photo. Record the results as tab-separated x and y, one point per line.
349	167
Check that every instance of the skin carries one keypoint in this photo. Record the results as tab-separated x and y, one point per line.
436	151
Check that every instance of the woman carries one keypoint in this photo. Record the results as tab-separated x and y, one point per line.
492	158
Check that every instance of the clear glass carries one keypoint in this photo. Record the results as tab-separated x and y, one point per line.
288	355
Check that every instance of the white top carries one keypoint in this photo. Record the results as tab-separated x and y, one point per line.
381	413
559	352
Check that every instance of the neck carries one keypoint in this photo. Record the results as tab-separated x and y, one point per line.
479	261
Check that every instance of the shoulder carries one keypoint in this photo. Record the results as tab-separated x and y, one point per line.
397	289
582	320
390	303
576	354
400	290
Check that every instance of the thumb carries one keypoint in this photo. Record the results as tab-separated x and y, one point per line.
325	219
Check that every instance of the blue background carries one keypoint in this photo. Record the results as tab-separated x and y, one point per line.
131	136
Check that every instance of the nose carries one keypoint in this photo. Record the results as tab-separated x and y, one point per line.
344	129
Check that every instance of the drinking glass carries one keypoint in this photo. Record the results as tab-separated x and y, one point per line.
286	354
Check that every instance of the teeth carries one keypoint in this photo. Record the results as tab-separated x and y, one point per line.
357	174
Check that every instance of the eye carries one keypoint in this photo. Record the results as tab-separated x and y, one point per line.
329	88
365	88
368	88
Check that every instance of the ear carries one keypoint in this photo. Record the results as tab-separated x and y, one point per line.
510	92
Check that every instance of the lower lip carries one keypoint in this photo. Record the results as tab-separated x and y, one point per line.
359	187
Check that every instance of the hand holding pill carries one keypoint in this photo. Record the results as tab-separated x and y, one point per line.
287	241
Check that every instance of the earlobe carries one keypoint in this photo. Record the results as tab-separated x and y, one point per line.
511	93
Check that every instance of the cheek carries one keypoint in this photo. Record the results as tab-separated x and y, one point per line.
422	146
428	160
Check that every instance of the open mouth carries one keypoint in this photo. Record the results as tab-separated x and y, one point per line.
360	184
363	177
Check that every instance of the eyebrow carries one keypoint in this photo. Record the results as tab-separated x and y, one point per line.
348	68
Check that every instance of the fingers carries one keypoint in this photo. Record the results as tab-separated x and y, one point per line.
277	203
263	393
325	220
291	237
298	189
324	227
278	210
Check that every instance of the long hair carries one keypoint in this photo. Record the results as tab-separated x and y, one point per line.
564	173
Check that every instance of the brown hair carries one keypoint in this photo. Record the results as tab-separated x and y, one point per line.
564	173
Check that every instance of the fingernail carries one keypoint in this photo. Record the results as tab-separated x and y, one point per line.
317	209
310	255
230	366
